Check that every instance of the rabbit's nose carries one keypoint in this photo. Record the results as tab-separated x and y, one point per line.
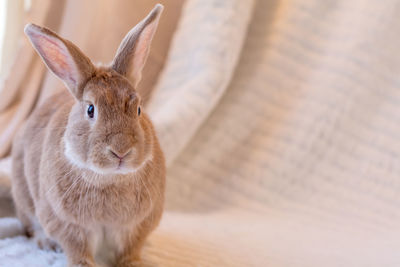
120	155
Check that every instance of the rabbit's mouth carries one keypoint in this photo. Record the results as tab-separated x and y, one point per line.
122	166
115	165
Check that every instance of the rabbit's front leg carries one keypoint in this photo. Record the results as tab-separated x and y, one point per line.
130	257
134	239
74	242
72	238
133	243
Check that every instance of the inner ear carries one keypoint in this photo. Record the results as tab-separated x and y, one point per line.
62	57
57	57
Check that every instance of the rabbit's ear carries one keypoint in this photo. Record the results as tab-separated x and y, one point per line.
134	48
62	57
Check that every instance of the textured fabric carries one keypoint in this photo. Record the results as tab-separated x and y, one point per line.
289	155
21	82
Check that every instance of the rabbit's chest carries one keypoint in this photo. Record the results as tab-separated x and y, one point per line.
92	206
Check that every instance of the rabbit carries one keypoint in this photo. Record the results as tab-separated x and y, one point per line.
88	173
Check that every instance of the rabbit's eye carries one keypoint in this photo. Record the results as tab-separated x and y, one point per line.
138	111
90	111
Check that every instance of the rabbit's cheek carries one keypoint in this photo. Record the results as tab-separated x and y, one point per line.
75	148
72	155
139	158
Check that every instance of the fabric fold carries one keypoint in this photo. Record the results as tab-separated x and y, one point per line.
202	60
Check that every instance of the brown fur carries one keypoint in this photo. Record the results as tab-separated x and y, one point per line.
68	176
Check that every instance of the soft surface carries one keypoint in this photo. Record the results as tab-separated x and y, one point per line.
280	122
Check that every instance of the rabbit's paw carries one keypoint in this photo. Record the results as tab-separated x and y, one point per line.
46	243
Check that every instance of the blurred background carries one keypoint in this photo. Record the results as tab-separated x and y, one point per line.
279	120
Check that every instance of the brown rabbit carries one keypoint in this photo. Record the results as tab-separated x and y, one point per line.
88	171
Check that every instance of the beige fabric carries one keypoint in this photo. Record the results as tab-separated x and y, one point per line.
289	155
11	21
21	85
298	164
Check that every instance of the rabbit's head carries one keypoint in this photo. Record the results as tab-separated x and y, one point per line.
107	131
